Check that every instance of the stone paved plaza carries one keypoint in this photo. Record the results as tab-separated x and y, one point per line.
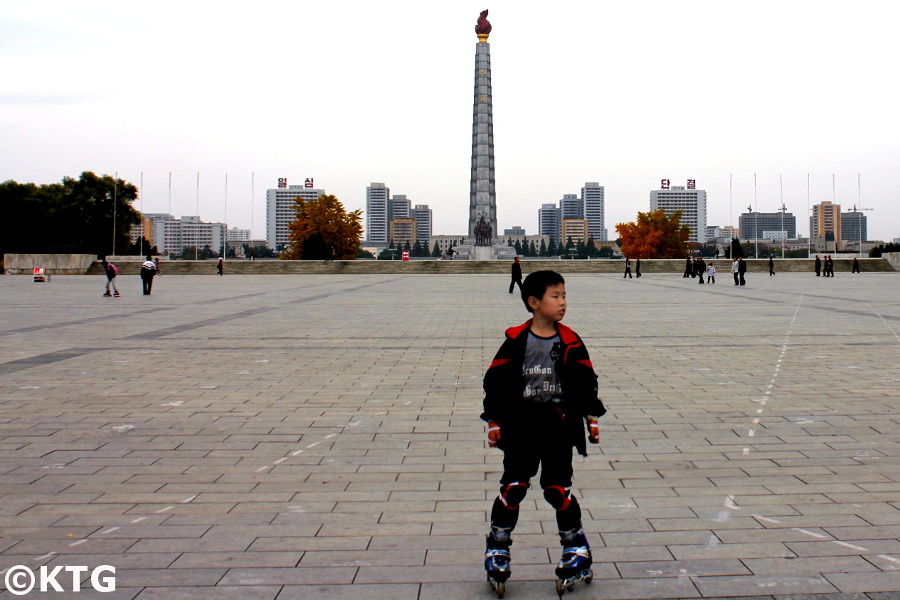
317	437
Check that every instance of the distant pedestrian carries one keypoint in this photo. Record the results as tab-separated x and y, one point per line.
220	266
701	269
855	268
742	268
717	252
148	272
711	273
688	267
818	266
735	271
516	276
111	271
627	268
771	267
156	264
637	267
829	266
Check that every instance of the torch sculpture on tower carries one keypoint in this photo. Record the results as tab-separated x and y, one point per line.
482	195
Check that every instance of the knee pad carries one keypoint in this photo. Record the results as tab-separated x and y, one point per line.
558	496
512	495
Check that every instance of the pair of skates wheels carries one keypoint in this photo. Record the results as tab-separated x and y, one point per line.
567	584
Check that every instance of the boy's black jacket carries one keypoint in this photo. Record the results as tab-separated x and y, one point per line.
504	383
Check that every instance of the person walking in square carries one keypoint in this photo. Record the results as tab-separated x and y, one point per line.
855	268
742	269
637	268
688	267
771	266
220	266
540	392
111	272
818	265
148	272
627	268
516	275
735	271
711	273
701	268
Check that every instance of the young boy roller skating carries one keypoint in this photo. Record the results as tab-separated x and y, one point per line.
539	391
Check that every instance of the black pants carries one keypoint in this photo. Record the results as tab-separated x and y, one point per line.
513	283
147	284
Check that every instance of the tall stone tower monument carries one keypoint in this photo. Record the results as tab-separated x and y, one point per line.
482	195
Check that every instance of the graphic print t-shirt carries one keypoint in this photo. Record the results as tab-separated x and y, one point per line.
542	358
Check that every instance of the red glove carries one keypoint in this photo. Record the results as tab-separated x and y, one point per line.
493	434
593	430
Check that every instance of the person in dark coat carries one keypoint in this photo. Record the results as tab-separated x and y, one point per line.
516	275
771	266
855	268
742	268
637	267
627	268
700	269
818	266
688	267
148	272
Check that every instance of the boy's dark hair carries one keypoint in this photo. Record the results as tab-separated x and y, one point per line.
536	285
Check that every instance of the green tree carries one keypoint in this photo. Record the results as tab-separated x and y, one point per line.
338	231
436	253
543	249
91	214
654	235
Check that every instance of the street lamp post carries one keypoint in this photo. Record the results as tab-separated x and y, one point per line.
783	232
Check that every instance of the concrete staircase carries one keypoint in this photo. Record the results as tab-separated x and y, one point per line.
439	267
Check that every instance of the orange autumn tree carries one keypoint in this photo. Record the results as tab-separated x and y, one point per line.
654	235
323	230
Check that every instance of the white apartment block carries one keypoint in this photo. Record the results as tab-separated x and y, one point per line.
377	197
280	210
424	224
594	201
172	236
691	203
237	235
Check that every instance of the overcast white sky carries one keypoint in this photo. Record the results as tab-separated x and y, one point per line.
623	93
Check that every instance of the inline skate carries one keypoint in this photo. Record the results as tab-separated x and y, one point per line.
497	559
575	564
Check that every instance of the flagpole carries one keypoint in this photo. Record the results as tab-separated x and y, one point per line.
115	199
141	243
197	230
225	233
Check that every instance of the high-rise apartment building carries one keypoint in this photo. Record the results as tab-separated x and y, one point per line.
768	226
280	209
594	202
853	226
548	221
378	196
690	201
575	230
422	215
825	223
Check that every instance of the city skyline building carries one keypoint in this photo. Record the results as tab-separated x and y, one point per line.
280	209
422	215
689	200
377	219
593	198
825	222
755	225
854	226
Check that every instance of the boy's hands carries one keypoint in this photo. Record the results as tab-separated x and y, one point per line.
593	430
493	434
